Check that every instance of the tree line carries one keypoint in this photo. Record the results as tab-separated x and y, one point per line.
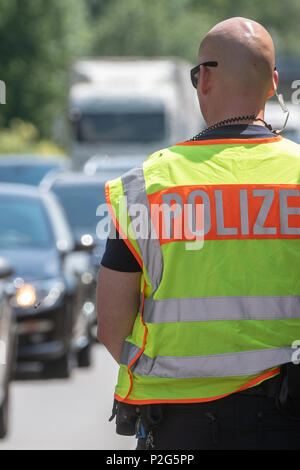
39	40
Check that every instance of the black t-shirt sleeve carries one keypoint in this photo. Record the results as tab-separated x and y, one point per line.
118	257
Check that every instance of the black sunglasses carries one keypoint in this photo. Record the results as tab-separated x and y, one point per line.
195	72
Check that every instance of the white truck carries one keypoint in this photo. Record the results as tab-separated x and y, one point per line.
130	107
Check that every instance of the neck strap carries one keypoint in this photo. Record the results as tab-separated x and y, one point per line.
225	122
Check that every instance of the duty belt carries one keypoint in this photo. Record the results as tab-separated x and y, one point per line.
268	388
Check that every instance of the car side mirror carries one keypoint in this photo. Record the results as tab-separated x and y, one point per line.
5	269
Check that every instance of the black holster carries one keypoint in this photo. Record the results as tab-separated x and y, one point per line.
127	416
288	398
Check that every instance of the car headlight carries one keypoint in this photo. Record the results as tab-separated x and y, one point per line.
39	294
26	296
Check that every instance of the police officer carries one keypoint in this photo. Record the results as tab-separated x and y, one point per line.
202	312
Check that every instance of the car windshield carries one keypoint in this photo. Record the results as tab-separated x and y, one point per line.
24	224
121	127
25	174
80	203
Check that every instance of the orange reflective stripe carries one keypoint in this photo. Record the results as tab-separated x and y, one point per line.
252	383
142	348
265	140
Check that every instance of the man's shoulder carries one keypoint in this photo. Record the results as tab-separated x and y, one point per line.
156	159
158	156
136	171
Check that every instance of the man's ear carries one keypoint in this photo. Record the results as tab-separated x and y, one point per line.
274	85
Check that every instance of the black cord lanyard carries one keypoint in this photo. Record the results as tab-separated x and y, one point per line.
251	117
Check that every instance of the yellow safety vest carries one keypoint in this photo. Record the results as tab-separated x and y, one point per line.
217	315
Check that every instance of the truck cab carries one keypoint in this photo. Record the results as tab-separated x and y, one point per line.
130	108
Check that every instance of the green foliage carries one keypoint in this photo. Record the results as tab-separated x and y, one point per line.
38	41
23	137
96	7
281	19
176	27
149	28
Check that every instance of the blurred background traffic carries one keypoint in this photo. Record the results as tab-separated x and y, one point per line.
92	88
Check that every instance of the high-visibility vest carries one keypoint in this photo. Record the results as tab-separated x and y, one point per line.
223	316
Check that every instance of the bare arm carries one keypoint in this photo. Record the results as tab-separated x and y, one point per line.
118	297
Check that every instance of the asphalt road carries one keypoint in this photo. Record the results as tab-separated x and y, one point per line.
67	414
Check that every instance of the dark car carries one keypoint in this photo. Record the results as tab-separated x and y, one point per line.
36	239
80	195
7	346
30	169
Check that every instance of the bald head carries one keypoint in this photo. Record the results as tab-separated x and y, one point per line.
244	51
245	54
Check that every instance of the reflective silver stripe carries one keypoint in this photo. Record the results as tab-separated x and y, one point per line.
129	352
168	199
221	308
285	211
135	192
207	214
218	365
244	212
221	230
259	228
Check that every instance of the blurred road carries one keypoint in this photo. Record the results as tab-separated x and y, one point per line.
67	414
